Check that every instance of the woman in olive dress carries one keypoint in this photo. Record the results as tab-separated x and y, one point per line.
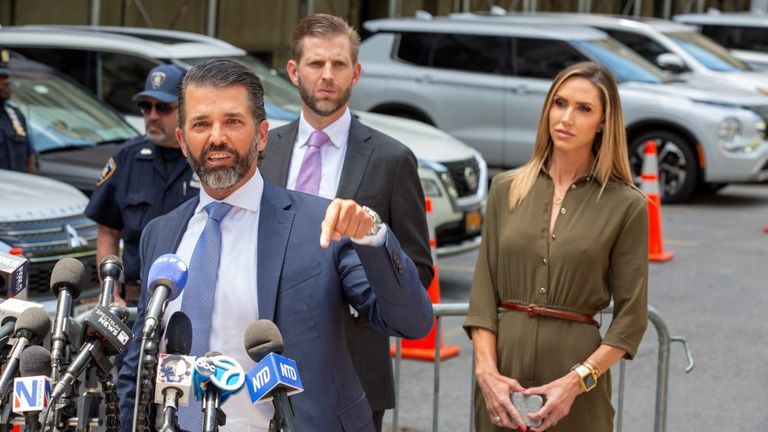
564	235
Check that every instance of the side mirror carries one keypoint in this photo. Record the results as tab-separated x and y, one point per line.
671	62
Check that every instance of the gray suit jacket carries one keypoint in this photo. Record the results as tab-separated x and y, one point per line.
381	173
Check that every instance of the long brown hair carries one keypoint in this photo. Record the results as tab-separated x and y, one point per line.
610	149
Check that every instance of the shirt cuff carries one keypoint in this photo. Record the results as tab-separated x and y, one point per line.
375	240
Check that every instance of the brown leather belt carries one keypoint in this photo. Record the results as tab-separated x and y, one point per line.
534	310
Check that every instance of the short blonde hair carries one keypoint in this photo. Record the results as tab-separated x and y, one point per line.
323	26
610	146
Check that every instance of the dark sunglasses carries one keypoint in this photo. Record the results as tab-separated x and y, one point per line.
162	108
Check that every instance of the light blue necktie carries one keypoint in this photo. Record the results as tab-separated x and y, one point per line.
198	298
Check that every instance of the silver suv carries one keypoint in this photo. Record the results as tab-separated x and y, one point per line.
485	81
114	61
744	33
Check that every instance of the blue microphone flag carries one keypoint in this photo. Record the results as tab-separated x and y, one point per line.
271	372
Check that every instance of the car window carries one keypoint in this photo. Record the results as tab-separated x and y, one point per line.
643	45
77	64
625	64
734	37
706	51
60	114
469	53
415	48
544	58
121	77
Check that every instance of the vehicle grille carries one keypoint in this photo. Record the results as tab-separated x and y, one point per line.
46	241
465	175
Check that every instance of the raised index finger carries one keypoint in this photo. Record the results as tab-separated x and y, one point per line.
329	223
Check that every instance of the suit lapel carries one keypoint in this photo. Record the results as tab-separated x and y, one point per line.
359	150
279	153
275	224
176	232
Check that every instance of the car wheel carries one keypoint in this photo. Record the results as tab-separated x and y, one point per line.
678	169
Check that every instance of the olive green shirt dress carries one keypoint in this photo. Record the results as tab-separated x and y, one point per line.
597	251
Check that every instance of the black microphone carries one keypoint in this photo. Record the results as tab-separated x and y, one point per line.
105	334
10	310
174	371
32	327
167	278
262	338
33	388
67	278
110	271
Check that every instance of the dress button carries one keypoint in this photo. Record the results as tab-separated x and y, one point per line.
544	260
542	290
573	186
562	210
554	236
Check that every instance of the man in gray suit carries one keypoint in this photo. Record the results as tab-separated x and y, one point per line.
328	152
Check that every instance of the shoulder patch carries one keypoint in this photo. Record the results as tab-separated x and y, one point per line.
107	171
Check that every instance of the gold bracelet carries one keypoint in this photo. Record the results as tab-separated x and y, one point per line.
595	368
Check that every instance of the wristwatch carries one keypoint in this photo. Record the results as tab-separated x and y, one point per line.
376	227
587	376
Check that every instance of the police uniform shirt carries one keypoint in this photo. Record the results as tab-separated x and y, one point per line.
15	145
136	187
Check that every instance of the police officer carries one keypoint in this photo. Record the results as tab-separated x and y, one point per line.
144	179
16	151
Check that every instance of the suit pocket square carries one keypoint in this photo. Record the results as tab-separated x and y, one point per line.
296	277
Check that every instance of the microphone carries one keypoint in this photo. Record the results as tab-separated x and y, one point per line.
67	277
105	334
10	310
32	327
216	378
274	377
110	271
174	372
32	392
167	278
14	270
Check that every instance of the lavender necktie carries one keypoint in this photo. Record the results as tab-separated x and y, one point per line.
312	165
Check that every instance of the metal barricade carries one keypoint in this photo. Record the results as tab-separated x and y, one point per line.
662	371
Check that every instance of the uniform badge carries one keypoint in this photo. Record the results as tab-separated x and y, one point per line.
5	56
15	122
107	172
146	151
157	79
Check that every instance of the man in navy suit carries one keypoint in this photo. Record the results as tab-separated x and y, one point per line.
285	256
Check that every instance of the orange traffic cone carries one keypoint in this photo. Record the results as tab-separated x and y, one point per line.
650	186
424	348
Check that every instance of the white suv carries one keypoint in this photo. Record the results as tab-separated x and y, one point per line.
114	61
484	81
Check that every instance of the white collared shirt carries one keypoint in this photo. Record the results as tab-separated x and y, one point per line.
236	302
332	154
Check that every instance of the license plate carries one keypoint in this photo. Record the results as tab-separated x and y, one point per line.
473	221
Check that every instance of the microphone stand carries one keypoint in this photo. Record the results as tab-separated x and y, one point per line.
283	419
213	416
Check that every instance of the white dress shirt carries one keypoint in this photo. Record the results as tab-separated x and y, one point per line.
236	302
332	154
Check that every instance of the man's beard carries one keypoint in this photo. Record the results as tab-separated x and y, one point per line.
224	177
324	107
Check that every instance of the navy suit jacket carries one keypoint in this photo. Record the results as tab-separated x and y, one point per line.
303	289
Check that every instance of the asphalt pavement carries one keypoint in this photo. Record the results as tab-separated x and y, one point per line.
712	293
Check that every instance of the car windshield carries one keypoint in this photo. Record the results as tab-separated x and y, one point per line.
281	99
625	64
60	115
707	52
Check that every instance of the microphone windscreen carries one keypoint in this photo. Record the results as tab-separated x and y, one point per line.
111	266
178	334
35	320
261	338
35	360
68	273
168	270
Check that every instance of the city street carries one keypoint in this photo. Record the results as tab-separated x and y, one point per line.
711	293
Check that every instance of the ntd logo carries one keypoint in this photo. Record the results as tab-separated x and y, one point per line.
261	378
273	371
31	393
